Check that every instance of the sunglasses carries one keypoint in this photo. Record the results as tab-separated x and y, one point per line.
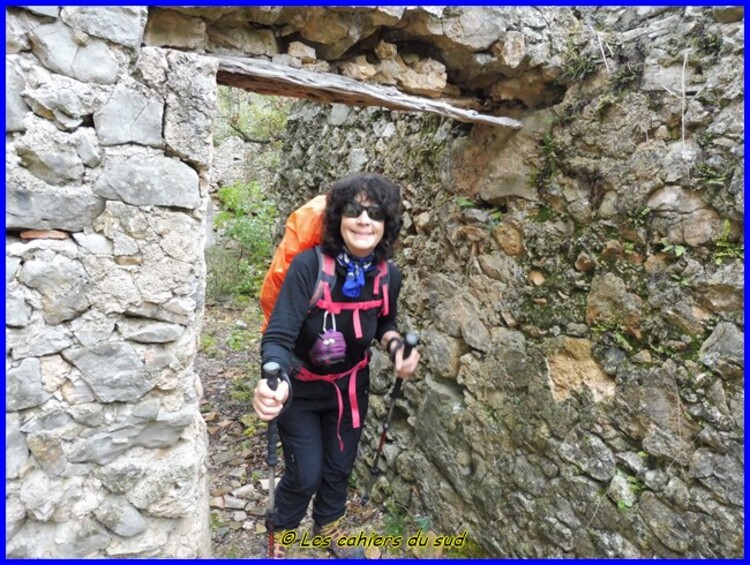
354	209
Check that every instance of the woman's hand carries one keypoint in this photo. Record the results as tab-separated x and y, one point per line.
268	403
406	367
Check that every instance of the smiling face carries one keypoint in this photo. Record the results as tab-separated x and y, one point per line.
361	233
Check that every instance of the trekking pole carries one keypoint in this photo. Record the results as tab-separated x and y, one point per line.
410	341
271	373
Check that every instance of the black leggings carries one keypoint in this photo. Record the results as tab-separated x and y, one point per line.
315	464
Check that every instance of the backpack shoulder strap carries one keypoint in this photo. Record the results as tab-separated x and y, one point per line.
326	277
382	280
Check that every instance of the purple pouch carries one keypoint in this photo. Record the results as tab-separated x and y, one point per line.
330	347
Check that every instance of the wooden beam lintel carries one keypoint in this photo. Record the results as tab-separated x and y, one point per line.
265	77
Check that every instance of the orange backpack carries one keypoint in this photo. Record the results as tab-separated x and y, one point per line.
304	230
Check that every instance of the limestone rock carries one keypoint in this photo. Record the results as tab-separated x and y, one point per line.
511	49
191	105
156	181
130	117
722	473
49	154
590	453
11	268
121	517
124	25
169	489
167	28
250	41
358	68
92	327
390	71
683	217
15	106
144	331
476	28
609	302
112	287
55	371
158	312
63	284
65	101
23	387
18	25
498	267
458	316
112	369
230	163
303	52
572	368
37	339
385	50
17	310
444	353
510	238
32	203
94	243
152	67
62	51
75	391
48	11
722	290
670	527
426	77
723	351
46	447
16	450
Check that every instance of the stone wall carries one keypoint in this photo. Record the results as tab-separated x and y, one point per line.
107	151
578	288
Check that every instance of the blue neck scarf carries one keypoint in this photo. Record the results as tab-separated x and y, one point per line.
356	267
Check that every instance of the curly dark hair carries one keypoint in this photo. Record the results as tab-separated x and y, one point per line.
379	190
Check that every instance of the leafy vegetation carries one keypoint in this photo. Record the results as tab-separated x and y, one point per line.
726	249
580	62
626	77
252	117
711	177
248	219
550	151
676	250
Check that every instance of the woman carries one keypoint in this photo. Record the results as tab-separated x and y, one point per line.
326	351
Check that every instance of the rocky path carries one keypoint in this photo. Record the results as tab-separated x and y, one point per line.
228	362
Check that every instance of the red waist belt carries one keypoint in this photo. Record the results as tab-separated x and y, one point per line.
305	375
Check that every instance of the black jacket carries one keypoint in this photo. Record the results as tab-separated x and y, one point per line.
291	332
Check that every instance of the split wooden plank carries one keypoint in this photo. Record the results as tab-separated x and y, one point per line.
264	77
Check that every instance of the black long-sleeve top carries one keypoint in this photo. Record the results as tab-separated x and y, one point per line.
291	332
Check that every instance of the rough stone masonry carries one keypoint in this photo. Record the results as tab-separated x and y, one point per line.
578	284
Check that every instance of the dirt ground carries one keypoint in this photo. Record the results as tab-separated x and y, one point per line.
229	363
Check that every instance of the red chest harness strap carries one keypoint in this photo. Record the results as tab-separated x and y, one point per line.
305	375
326	302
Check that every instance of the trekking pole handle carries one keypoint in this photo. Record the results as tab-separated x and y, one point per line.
271	372
410	341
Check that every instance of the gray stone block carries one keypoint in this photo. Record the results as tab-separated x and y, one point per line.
113	370
124	25
62	51
156	181
15	106
23	386
130	117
